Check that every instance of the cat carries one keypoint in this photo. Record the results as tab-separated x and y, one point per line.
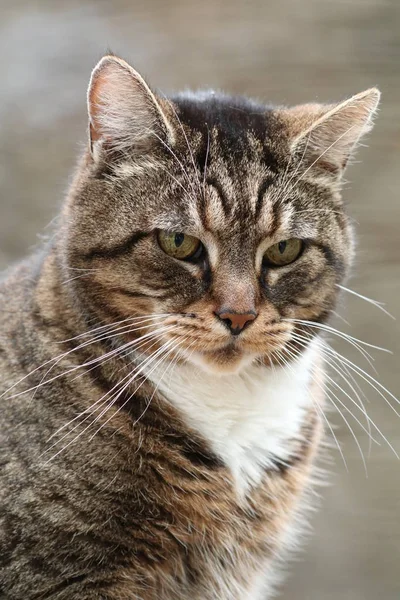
161	372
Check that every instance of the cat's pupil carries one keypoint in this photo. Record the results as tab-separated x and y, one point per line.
179	237
282	247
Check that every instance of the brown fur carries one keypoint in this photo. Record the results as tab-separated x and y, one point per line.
144	508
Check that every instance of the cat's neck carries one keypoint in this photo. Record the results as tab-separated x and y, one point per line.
249	419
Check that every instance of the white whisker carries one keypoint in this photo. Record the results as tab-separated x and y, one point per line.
153	340
324	152
136	373
319	410
87	363
357	343
51	360
375	303
186	140
161	360
333	382
132	320
177	160
102	337
343	361
287	188
328	394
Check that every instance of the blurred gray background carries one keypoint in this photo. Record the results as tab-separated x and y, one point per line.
280	51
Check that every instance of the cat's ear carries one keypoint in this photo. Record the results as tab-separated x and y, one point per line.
123	111
324	137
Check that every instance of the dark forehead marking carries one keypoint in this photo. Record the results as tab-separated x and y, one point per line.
266	183
229	114
239	122
234	118
213	182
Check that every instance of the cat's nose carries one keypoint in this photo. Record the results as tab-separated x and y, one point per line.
236	321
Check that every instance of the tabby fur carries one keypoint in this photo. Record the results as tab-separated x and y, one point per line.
187	480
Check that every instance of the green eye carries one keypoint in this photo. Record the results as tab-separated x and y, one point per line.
283	253
178	245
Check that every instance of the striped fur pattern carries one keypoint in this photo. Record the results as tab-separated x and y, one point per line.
149	451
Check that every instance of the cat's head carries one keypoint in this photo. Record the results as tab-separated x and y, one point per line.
217	215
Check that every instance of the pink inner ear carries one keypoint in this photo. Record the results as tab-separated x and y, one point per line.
95	105
123	111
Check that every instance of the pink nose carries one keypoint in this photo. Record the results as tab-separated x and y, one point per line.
235	321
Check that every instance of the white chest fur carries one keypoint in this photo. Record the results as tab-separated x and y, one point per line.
247	418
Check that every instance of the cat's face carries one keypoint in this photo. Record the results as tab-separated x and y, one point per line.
219	214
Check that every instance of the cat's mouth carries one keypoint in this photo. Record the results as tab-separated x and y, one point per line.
227	359
217	351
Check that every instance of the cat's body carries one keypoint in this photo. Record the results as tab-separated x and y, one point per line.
144	507
142	465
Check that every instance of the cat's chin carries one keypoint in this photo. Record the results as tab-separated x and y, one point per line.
222	362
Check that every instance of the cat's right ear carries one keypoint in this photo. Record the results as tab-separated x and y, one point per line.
324	137
123	112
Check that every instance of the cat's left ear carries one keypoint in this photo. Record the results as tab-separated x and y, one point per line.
325	137
123	111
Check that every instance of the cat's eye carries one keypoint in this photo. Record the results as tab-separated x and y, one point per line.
179	245
283	253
